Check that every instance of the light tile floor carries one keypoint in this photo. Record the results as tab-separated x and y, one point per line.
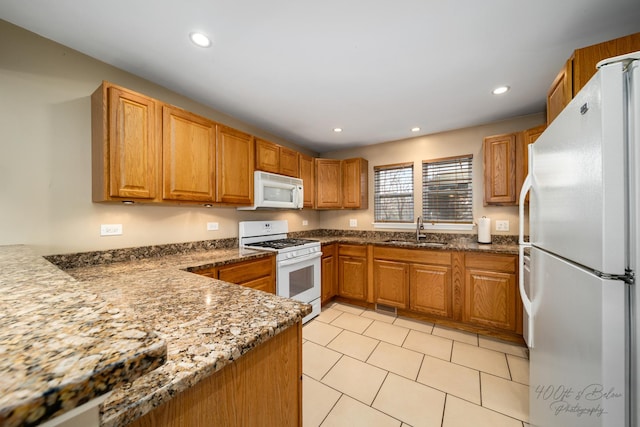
364	368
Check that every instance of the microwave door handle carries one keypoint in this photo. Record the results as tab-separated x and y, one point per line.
294	261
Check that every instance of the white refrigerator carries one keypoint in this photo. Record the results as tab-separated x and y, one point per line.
583	327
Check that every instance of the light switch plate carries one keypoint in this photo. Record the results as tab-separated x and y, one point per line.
212	226
353	222
502	225
111	229
305	222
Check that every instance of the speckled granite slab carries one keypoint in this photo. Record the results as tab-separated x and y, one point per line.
501	244
206	323
61	344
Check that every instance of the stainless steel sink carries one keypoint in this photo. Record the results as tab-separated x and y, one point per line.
415	243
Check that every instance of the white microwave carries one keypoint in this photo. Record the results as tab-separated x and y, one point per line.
273	191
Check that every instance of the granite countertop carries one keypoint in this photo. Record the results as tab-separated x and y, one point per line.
505	245
61	344
107	313
145	328
206	323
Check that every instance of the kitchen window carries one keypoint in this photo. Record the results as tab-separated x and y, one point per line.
393	193
447	192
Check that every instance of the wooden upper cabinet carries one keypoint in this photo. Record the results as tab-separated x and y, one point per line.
235	151
125	145
581	67
560	92
586	59
267	156
355	183
307	174
328	184
275	158
529	136
500	169
189	156
289	162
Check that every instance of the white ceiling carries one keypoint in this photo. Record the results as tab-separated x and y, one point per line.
375	68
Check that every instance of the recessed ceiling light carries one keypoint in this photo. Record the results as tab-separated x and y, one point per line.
337	130
415	129
200	39
500	90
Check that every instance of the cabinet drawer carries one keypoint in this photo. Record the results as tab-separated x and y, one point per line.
493	262
328	250
412	255
353	250
246	271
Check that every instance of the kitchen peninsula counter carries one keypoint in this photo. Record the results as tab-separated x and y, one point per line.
206	323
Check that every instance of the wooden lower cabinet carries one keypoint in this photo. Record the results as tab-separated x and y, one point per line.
257	274
352	272
391	283
261	388
414	279
474	291
430	290
328	273
491	297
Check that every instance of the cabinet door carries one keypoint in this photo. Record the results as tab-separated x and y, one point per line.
189	156
430	290
586	59
352	277
560	92
391	283
490	299
289	162
235	151
307	174
132	145
500	169
328	184
267	156
529	136
328	273
355	183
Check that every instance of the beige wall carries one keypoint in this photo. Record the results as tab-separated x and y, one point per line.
45	162
446	144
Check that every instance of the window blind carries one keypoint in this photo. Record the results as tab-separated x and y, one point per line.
393	193
447	190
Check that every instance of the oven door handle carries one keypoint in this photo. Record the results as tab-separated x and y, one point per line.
294	261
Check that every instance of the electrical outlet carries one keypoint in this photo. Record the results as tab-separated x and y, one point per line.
502	225
212	226
111	229
305	222
353	222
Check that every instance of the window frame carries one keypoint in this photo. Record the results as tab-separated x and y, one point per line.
398	195
449	221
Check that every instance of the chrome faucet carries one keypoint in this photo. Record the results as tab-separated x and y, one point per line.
419	228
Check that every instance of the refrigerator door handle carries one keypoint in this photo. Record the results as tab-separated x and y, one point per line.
526	302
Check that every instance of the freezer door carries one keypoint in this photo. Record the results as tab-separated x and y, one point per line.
579	363
577	200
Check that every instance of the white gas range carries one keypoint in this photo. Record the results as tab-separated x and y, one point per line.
297	260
